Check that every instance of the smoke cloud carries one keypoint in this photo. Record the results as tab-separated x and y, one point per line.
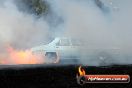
103	24
21	31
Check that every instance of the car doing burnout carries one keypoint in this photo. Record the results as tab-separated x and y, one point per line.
69	50
65	48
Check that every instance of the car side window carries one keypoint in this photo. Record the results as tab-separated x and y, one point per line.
58	43
63	42
76	42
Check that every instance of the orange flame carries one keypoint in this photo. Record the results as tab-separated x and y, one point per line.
21	57
81	71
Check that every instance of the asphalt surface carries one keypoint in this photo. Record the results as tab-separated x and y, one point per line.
54	76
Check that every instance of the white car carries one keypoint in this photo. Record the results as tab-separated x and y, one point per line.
63	47
69	50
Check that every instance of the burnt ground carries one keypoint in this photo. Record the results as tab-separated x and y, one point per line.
47	76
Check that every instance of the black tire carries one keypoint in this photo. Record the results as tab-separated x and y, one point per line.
50	57
105	58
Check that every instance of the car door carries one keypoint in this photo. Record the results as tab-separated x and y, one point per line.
63	48
75	47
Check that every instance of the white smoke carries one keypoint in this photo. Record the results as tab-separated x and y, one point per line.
102	27
19	29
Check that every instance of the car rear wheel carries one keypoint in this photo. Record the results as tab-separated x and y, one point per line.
105	58
51	57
